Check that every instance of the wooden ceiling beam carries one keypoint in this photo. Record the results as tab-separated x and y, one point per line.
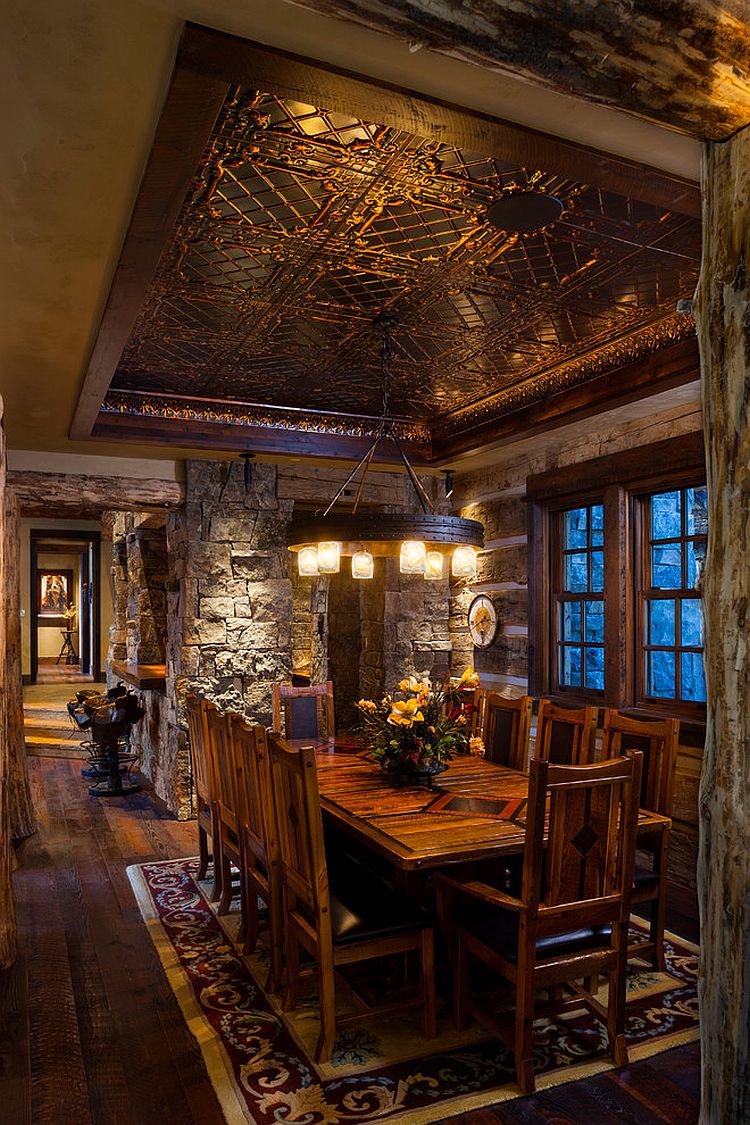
684	65
77	496
190	110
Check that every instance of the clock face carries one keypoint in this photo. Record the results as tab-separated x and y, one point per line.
482	621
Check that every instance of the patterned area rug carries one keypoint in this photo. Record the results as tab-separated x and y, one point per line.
260	1060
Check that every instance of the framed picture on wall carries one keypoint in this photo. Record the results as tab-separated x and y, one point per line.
54	593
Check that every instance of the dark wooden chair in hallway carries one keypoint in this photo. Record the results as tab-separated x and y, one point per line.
260	871
357	918
307	711
205	790
570	921
658	742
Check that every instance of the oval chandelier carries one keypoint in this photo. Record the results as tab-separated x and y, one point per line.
421	541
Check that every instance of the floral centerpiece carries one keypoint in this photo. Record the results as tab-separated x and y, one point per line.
415	736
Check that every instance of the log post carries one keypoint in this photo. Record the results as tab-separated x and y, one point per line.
22	822
7	906
723	318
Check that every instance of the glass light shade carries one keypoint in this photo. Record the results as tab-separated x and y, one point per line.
433	566
329	558
307	562
412	558
464	563
362	565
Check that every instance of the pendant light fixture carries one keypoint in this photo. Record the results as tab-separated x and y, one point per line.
414	539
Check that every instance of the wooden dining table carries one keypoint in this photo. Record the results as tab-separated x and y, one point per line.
476	809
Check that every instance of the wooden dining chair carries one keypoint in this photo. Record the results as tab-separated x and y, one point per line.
307	711
658	742
506	728
205	790
260	872
565	736
356	918
570	921
226	771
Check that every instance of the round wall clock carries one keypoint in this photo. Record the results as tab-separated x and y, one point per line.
482	621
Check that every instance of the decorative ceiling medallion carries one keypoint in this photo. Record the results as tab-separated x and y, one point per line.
180	409
519	212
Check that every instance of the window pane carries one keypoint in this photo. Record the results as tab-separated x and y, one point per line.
594	621
597	570
570	621
575	525
665	515
597	525
697	511
693	678
576	572
696	556
666	569
570	666
691	622
595	668
660	674
661	620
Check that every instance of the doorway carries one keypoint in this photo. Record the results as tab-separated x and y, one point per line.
65	605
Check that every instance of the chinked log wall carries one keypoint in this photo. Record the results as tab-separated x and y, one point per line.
496	496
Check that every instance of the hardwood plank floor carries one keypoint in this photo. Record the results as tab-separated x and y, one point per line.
91	1034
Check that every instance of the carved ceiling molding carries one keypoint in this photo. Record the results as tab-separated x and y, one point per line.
174	408
647	342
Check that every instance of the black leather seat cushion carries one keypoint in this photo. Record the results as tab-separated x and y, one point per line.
645	880
364	905
498	929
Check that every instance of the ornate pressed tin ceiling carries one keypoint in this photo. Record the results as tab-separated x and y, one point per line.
303	225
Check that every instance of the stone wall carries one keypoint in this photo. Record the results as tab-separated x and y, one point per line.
146	622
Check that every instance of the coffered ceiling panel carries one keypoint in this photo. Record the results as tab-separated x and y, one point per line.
303	225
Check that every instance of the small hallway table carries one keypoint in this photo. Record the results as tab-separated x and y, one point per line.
475	810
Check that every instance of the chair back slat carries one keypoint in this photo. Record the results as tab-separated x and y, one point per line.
565	736
300	829
257	817
658	742
505	730
591	814
197	734
225	766
307	711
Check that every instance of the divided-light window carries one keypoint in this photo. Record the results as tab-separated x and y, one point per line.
674	528
578	598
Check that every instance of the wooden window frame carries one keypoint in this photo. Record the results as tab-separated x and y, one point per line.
645	593
622	480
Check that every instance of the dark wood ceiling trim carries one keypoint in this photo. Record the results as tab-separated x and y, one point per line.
220	436
672	367
223	56
190	110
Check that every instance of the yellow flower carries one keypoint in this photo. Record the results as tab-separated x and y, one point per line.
461	719
405	714
367	705
476	746
409	684
469	680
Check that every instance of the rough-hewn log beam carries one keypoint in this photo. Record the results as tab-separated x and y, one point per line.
723	317
65	494
22	820
684	63
8	940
